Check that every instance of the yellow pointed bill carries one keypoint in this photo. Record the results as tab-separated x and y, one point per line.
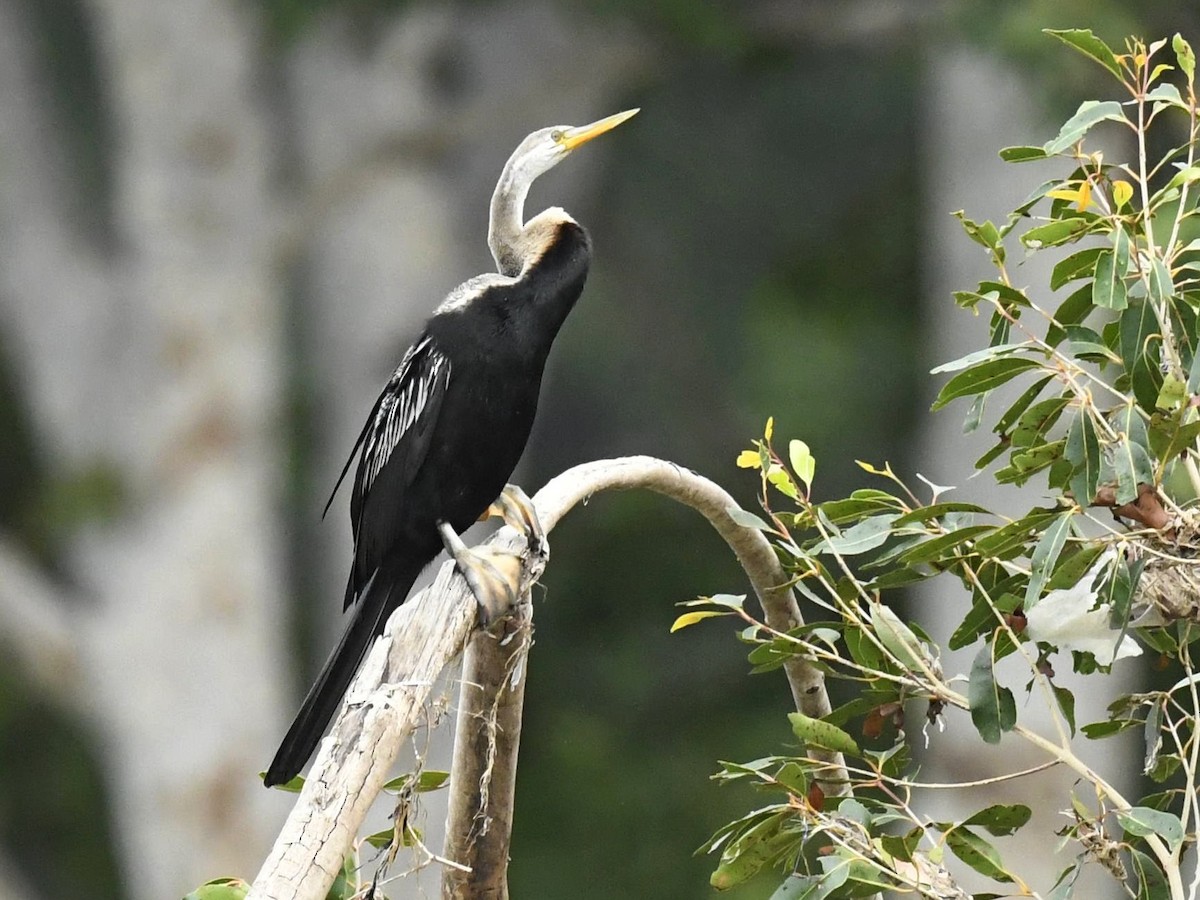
573	137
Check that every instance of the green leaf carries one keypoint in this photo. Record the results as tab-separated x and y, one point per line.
747	519
862	649
1001	820
220	889
1015	535
1133	466
1162	287
981	618
1094	731
1109	290
993	709
1066	705
1072	565
866	535
1087	345
1088	44
1022	154
1009	296
1082	450
1077	265
1064	887
1089	114
427	780
1071	311
1033	425
1054	233
936	511
976	853
979	356
983	233
1168	94
1185	57
745	856
817	733
937	547
1141	821
1026	463
903	846
1150	881
1179	437
1045	555
800	887
897	638
984	377
1172	394
1020	405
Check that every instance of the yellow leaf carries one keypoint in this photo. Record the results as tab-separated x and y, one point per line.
1085	196
1080	196
770	428
748	459
693	617
1122	192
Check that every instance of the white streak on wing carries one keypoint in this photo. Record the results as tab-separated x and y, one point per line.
406	397
460	298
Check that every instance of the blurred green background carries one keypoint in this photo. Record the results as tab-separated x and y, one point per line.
759	251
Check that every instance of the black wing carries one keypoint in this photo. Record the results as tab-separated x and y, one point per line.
397	431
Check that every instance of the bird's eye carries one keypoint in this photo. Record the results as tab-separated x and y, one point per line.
557	135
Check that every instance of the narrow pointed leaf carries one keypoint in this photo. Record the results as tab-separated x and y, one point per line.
1089	114
819	733
1045	555
984	377
1109	289
1133	466
1087	43
1001	820
976	853
993	709
1054	233
1083	452
1077	265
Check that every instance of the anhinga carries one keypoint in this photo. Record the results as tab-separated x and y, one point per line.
452	421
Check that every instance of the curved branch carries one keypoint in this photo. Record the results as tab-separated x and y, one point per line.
479	821
771	584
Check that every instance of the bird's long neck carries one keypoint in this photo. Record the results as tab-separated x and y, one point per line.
507	222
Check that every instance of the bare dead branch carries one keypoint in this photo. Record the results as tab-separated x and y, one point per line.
425	635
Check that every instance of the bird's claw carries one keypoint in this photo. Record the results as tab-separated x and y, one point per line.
517	510
491	575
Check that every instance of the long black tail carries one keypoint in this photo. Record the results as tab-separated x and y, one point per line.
383	593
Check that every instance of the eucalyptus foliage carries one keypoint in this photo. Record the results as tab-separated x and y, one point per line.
1090	385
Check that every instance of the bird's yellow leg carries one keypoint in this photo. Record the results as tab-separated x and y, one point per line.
493	576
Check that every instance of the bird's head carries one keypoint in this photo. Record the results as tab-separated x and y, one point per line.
547	147
534	156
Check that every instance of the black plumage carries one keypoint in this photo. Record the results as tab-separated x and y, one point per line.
452	421
439	445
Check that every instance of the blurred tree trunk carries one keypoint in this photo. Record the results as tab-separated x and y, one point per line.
154	356
316	201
